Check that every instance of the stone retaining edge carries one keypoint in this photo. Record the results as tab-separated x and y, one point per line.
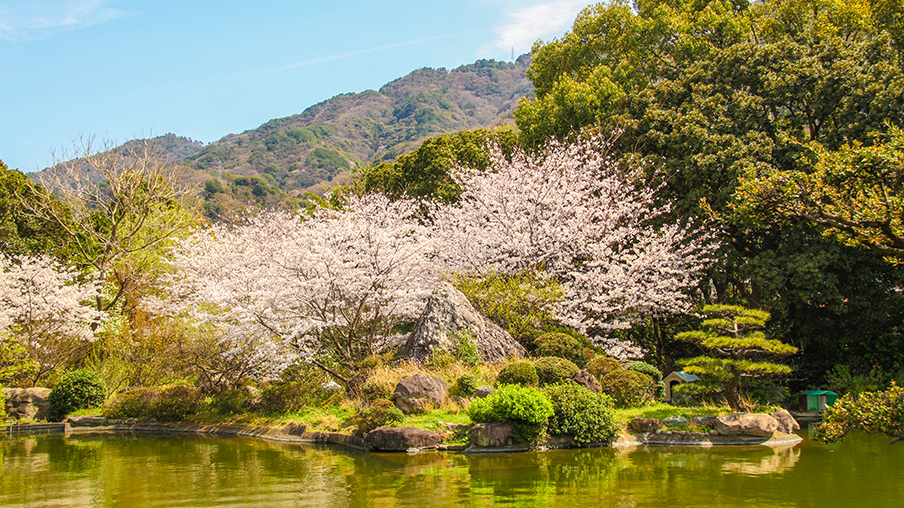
625	439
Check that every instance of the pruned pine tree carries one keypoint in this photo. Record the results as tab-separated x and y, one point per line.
736	348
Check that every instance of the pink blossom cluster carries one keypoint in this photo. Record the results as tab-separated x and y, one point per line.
46	309
574	214
341	279
344	280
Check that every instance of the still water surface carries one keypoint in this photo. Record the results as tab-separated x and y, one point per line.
166	470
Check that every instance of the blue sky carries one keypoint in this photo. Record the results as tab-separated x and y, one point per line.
118	69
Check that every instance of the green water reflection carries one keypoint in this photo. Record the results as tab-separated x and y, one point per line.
138	471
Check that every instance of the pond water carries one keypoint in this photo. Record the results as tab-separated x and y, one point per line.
166	470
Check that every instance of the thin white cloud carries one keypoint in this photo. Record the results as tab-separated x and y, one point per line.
26	19
348	54
525	25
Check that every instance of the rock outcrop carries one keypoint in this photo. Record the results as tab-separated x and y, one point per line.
31	403
746	424
587	380
414	394
490	435
484	391
786	422
448	313
400	439
645	425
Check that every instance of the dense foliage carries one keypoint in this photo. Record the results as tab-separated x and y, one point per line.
76	390
585	415
523	304
561	345
872	412
522	373
599	366
800	100
380	413
526	409
628	388
174	402
552	370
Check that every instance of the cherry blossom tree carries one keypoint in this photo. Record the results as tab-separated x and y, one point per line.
46	312
335	285
573	213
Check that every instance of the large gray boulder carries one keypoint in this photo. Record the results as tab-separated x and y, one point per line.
414	394
400	439
32	403
786	422
490	435
449	313
746	424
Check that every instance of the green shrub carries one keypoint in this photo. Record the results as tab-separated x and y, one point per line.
587	416
230	402
175	402
280	397
525	408
135	403
76	390
653	372
464	386
560	345
628	388
380	413
522	373
601	365
2	402
552	370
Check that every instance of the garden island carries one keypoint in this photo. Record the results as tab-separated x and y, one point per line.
696	201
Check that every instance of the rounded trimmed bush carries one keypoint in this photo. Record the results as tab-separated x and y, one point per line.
465	385
587	416
599	366
381	413
77	390
552	370
645	368
522	373
560	345
280	397
135	403
175	402
525	408
653	372
230	401
628	388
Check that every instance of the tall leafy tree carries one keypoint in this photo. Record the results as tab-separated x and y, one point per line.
124	208
857	193
710	92
20	232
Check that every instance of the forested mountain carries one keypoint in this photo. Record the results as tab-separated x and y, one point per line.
312	151
299	151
